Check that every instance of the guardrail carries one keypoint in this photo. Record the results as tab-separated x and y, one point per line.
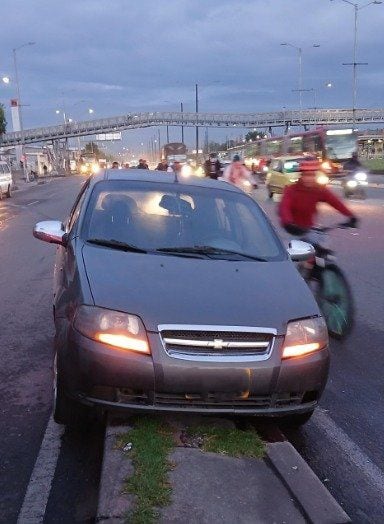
247	120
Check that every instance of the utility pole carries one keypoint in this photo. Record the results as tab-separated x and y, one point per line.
356	8
182	127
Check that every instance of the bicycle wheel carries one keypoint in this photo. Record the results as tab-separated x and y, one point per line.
335	301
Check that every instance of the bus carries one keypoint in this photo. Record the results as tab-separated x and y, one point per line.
332	146
175	152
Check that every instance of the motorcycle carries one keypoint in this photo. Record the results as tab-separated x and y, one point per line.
354	184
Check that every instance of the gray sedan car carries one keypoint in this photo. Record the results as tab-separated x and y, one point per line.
176	294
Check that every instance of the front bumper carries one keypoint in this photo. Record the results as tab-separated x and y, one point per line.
98	375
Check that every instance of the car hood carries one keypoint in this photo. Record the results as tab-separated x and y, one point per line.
179	290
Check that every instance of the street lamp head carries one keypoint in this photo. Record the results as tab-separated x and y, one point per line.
90	111
57	111
5	79
316	45
284	43
31	43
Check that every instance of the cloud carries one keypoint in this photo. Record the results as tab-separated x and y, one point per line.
122	56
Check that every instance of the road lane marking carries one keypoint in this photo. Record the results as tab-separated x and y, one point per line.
351	450
34	202
39	487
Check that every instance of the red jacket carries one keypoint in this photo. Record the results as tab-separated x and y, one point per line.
299	204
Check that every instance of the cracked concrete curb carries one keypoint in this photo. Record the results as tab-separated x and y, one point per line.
317	504
114	505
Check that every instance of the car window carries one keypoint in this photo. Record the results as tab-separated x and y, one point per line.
156	216
275	165
293	165
74	215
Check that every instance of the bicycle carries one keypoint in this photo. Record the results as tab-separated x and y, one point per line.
329	284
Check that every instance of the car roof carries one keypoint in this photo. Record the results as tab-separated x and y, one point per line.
146	175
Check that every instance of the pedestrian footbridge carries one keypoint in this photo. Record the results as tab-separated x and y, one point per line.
285	119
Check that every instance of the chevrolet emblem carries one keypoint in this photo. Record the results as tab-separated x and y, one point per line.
219	344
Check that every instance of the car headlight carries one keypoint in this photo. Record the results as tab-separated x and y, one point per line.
95	168
305	337
361	176
351	183
120	330
83	169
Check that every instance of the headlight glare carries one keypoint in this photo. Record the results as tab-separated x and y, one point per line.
114	328
322	180
304	337
361	176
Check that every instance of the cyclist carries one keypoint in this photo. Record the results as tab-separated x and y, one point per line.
298	207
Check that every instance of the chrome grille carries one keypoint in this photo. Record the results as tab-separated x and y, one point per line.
217	342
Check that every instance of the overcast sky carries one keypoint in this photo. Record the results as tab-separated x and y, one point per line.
121	56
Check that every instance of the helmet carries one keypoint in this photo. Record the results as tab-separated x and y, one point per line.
309	165
236	158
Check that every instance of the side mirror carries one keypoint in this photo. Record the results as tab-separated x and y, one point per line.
51	231
300	251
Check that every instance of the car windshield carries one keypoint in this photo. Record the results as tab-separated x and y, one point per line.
178	219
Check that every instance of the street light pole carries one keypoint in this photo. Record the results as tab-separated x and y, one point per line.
356	8
300	55
197	127
182	127
19	104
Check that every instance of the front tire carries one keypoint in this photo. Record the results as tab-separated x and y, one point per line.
335	300
65	410
270	192
8	194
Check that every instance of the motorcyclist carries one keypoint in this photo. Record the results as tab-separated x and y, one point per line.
298	207
212	166
142	164
236	173
162	165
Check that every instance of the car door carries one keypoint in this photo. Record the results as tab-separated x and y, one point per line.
66	265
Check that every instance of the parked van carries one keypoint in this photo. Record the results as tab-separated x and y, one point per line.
5	179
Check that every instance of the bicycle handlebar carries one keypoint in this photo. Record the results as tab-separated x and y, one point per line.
324	229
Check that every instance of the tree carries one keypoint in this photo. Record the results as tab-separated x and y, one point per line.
3	121
251	136
92	148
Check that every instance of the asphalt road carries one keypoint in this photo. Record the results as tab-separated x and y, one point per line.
343	442
26	364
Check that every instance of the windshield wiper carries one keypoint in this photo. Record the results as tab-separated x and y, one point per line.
209	250
116	244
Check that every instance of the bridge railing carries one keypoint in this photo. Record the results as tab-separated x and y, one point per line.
308	117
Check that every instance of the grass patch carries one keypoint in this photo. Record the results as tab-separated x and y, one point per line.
374	164
151	443
230	441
